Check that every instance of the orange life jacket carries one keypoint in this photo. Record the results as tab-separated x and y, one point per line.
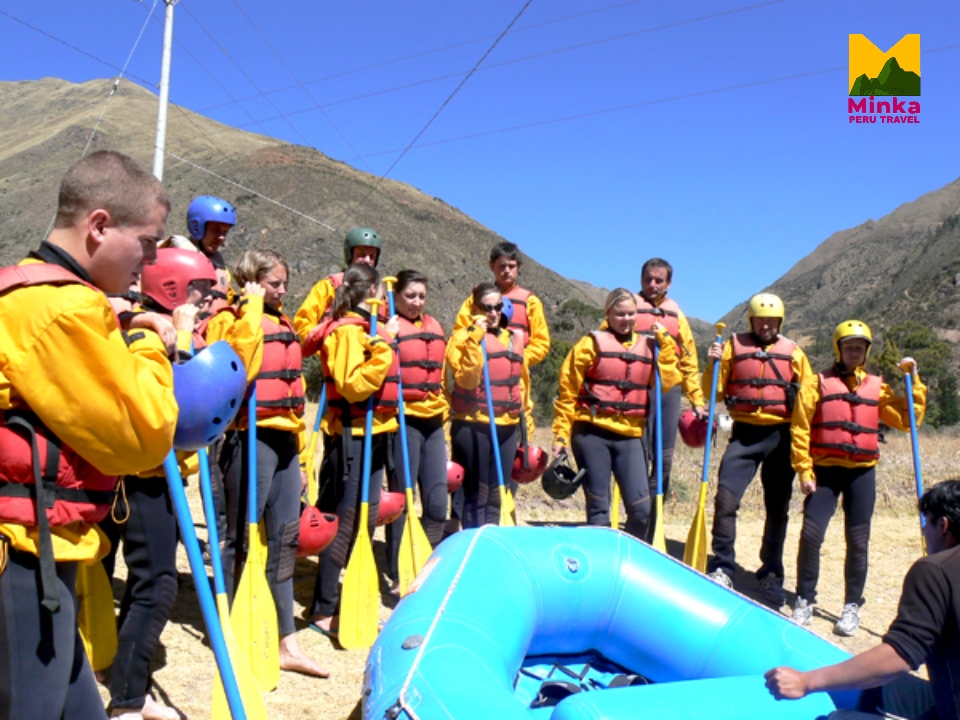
619	381
847	422
280	380
421	351
505	365
666	313
521	319
385	397
761	376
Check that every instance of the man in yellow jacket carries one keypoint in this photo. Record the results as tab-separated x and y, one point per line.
761	372
835	433
78	409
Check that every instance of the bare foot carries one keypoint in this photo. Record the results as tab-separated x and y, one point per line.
294	659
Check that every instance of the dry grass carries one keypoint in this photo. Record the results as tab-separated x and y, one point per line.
184	664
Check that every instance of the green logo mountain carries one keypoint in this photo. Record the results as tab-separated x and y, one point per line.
892	80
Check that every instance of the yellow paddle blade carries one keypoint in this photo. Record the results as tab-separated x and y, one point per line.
414	547
98	624
659	540
254	617
312	485
250	696
695	551
507	509
360	599
615	507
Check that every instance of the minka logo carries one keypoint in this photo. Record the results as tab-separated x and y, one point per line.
879	79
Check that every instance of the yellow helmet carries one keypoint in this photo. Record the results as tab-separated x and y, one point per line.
851	329
765	305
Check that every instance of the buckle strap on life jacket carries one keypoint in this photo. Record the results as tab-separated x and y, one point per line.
428	336
847	425
848	448
288	402
763	355
732	400
619	384
284	337
44	488
627	356
658	311
760	382
853	398
288	374
425	364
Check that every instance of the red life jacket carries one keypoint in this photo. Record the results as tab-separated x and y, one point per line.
385	397
761	376
847	422
280	380
521	319
619	381
421	351
666	313
505	364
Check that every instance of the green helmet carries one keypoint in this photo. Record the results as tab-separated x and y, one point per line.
360	237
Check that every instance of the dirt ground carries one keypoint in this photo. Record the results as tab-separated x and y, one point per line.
184	665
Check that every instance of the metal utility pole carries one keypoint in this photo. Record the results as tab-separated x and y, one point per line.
159	146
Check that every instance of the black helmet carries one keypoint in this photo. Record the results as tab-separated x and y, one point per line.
560	481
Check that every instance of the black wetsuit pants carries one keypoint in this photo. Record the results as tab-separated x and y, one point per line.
481	487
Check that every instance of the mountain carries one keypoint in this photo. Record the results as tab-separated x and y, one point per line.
892	80
45	125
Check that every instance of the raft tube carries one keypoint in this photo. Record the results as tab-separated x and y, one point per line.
497	610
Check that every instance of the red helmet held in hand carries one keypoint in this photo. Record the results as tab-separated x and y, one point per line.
455	473
391	506
693	431
526	470
317	531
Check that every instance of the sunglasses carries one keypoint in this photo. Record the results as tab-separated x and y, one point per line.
492	308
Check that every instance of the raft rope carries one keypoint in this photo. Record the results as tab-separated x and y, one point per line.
401	705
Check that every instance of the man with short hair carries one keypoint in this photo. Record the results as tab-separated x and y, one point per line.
926	630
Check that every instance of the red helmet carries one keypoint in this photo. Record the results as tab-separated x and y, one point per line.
167	282
317	531
536	462
693	431
455	475
391	506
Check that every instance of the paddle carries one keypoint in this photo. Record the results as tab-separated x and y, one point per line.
659	540
415	548
95	617
188	534
313	487
360	598
695	551
249	690
506	518
915	443
254	614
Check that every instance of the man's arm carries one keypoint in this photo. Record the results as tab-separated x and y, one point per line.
877	666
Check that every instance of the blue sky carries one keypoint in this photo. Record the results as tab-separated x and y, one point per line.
595	134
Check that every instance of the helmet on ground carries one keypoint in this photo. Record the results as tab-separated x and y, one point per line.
559	480
361	237
693	431
848	330
391	507
209	389
765	305
317	531
455	473
529	463
167	282
208	208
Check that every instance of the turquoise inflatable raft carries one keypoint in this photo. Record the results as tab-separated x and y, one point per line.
577	624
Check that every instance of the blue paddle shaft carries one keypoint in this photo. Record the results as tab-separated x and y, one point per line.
207	604
494	438
405	449
658	409
368	432
210	511
915	441
705	477
320	406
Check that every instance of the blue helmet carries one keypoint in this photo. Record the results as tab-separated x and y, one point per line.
209	389
208	208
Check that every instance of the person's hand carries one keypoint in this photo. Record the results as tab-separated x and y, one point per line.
481	322
700	412
808	486
559	450
657	327
392	326
254	289
162	325
715	352
909	365
185	317
786	683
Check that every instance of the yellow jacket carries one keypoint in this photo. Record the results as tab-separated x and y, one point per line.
893	412
65	357
464	366
538	344
357	365
802	373
311	312
579	360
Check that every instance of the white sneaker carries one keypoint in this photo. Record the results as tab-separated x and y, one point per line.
721	578
803	613
849	620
